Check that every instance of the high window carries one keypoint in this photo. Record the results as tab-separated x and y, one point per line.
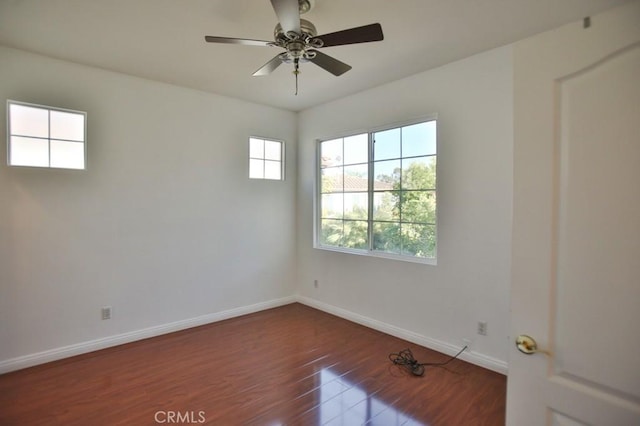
377	192
41	136
266	159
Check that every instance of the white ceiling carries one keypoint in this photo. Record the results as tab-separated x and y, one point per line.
164	39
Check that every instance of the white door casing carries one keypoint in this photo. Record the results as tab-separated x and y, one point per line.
576	224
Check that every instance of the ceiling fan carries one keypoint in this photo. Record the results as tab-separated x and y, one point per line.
300	40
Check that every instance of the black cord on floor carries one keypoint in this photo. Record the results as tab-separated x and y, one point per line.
406	358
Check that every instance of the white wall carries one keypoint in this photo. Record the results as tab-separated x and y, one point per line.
163	226
436	305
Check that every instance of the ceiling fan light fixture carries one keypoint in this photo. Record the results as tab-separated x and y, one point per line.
306	5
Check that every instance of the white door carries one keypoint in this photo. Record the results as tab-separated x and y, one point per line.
576	225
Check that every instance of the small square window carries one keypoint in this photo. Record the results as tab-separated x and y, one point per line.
41	136
266	159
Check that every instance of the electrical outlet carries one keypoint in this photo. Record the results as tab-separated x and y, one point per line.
482	328
315	283
467	343
106	312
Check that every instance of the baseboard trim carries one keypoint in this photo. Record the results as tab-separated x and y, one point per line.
437	345
31	360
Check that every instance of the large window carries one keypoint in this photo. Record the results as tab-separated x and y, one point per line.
377	192
40	136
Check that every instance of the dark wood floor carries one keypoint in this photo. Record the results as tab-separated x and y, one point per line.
291	365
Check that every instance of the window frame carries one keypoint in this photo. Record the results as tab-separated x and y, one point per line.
317	203
264	160
49	139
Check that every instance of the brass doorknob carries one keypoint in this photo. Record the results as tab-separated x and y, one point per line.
527	345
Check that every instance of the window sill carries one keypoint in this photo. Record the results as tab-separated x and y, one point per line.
379	255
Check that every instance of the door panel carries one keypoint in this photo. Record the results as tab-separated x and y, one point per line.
598	235
576	224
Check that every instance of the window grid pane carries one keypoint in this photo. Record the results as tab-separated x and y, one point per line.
272	170
29	152
28	121
355	178
66	126
256	169
332	180
66	155
256	148
356	149
272	150
331	153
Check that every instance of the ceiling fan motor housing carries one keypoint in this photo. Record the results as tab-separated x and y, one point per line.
306	28
297	44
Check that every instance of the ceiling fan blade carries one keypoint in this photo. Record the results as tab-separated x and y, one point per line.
330	64
364	34
231	40
288	13
268	67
